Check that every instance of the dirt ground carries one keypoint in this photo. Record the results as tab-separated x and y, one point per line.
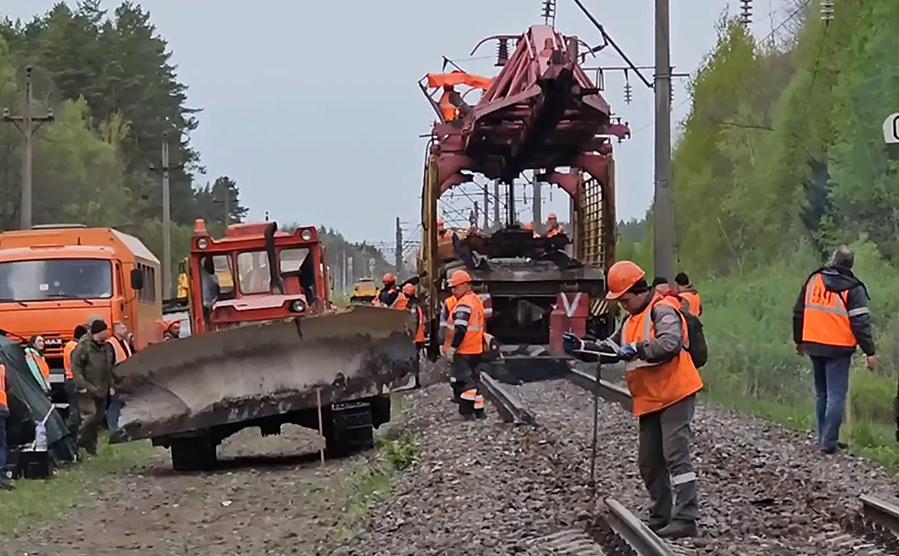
270	496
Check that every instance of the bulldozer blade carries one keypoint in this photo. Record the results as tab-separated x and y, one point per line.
260	370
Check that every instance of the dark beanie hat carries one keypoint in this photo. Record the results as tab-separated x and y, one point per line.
98	326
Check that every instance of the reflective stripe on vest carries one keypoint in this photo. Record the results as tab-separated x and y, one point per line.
4	400
67	358
473	343
655	386
825	319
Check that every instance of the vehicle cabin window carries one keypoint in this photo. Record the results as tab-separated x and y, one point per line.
56	279
224	274
292	259
252	268
148	293
120	286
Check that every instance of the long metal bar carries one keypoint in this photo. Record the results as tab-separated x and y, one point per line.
606	390
509	404
166	221
637	534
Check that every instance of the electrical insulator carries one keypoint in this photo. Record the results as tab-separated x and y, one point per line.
502	52
746	12
827	11
628	92
549	12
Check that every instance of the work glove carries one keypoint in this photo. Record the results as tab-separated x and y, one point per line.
628	352
571	343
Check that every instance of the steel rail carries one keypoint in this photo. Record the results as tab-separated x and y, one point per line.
608	391
511	407
636	533
883	512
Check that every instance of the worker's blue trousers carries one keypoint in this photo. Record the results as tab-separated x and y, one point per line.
2	446
831	385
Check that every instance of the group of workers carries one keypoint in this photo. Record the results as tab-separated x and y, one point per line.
88	361
831	319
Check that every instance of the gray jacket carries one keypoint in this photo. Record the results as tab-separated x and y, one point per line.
669	336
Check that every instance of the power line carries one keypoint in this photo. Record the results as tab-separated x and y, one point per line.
789	18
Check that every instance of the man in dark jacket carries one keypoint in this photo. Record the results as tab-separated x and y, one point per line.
830	320
92	365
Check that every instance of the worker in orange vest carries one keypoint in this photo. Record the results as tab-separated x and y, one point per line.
5	482
451	104
121	352
688	293
831	319
389	293
553	228
663	382
466	345
414	307
34	357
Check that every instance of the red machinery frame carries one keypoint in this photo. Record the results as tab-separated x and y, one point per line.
284	301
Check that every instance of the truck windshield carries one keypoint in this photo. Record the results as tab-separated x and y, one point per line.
55	279
252	267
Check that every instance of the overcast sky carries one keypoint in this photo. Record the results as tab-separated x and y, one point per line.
313	106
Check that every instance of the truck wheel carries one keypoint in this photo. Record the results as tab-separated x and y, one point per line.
350	430
193	454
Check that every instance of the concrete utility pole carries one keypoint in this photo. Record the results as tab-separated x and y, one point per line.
663	206
166	220
27	124
350	272
343	272
398	253
537	209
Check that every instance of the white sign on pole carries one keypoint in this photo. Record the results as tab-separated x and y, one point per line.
891	129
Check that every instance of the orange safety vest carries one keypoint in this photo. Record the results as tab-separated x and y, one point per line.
41	363
553	232
655	386
694	301
67	358
420	333
401	303
4	400
448	110
446	320
121	350
825	319
473	343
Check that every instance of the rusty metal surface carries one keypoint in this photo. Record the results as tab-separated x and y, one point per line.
256	371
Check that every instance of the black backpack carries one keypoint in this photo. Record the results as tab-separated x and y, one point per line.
698	349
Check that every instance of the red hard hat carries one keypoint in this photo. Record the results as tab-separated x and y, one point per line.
389	278
440	223
622	277
409	289
458	278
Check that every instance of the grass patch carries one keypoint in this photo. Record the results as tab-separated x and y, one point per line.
34	503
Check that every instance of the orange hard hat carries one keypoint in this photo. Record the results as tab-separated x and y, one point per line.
389	278
409	289
458	278
622	277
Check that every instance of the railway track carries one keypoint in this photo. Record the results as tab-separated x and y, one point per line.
510	406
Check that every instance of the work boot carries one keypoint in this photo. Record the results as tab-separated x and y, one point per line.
657	526
480	414
678	530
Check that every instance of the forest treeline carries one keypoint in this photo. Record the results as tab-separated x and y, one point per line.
113	89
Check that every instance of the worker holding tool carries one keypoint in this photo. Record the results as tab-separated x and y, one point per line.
5	482
831	319
465	344
92	368
663	381
688	293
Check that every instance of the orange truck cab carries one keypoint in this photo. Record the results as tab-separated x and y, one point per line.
272	275
53	278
